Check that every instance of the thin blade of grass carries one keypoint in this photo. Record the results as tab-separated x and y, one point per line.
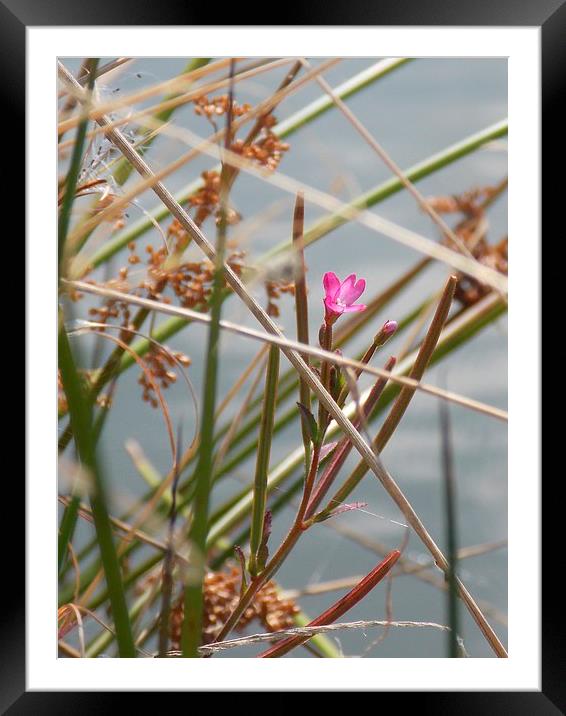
167	573
225	445
454	650
191	633
262	464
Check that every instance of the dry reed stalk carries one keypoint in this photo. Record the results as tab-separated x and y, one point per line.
280	340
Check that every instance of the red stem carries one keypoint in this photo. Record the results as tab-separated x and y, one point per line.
339	608
343	449
309	484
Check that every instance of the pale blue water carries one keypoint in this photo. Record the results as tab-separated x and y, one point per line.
414	112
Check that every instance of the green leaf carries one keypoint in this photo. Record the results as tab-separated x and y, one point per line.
309	423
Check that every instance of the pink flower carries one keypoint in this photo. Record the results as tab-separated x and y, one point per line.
385	333
340	296
389	327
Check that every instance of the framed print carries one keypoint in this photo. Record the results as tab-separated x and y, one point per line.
295	361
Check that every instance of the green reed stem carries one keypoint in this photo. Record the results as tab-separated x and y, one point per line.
80	411
191	633
454	651
256	561
301	309
325	646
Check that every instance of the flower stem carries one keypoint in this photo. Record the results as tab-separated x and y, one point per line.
344	448
406	393
80	411
325	336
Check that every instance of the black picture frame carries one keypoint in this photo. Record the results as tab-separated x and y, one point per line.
550	16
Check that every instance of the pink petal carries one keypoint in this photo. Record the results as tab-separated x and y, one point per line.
345	288
353	292
332	306
357	291
355	308
331	284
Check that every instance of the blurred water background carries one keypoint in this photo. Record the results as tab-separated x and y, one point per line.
415	111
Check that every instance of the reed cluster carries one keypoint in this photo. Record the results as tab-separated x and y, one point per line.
177	571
